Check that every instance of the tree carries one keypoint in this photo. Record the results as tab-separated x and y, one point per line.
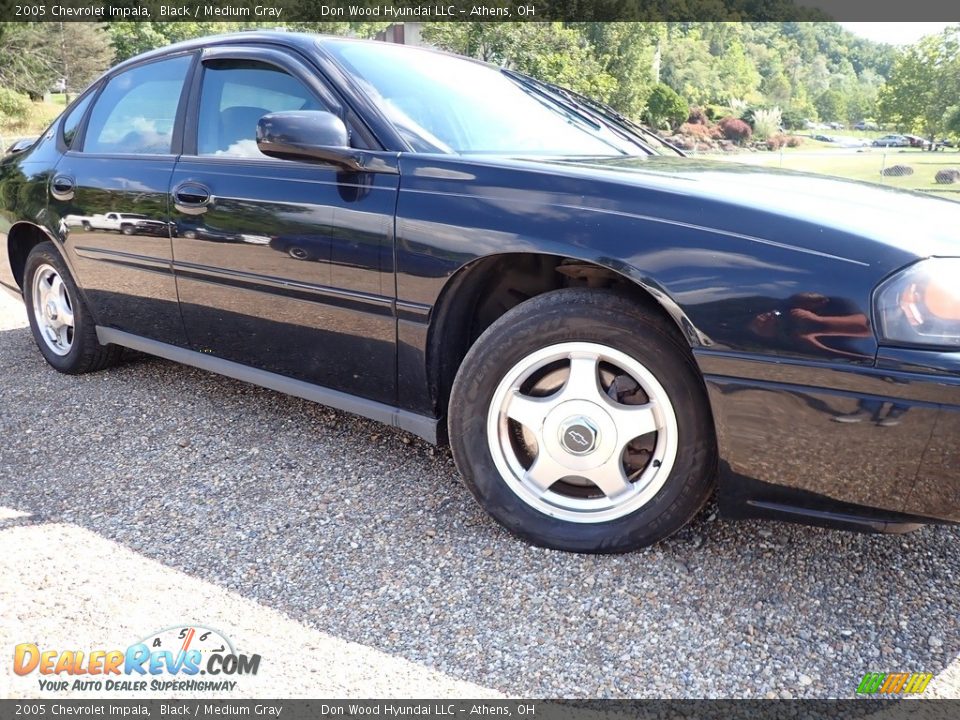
738	75
133	38
831	105
627	53
85	51
924	82
34	56
26	64
546	51
951	121
665	107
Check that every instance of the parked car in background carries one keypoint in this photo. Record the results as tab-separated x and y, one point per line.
866	125
847	141
126	223
603	329
917	141
892	141
836	125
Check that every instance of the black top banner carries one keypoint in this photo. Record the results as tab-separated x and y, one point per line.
296	11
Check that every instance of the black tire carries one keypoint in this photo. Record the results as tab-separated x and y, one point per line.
86	354
126	229
602	317
86	226
299	253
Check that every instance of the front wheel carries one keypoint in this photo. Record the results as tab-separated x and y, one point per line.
580	422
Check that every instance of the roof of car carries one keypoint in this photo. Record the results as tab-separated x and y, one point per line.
301	41
307	43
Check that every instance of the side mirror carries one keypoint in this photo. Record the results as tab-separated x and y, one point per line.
310	135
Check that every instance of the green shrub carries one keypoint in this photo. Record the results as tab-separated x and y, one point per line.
715	112
14	109
665	107
793	119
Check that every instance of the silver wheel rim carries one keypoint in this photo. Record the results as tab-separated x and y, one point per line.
589	447
53	309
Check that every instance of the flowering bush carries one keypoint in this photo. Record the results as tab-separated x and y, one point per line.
766	122
700	132
776	142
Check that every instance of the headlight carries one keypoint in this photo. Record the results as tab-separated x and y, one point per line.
921	304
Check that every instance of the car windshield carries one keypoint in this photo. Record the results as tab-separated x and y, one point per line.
442	103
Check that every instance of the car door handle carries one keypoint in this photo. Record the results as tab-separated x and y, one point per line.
192	198
62	187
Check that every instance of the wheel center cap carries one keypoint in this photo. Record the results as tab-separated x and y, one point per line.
50	310
579	435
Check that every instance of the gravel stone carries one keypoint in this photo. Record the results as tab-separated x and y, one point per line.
366	534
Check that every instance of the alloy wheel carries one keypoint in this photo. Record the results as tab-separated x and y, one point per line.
582	432
53	309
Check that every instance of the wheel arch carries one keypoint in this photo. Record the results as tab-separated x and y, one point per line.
22	237
485	288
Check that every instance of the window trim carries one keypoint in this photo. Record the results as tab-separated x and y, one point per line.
176	141
285	61
91	93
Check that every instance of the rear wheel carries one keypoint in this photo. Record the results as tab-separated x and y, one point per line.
580	422
60	321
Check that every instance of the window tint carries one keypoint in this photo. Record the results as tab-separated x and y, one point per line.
235	95
72	122
136	111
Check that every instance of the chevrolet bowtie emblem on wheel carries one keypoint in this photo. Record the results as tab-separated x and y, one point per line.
578	436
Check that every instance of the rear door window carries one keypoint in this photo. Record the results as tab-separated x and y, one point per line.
137	110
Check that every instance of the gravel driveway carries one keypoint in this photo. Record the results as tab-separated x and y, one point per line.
348	530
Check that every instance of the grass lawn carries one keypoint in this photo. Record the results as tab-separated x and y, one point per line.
864	165
41	115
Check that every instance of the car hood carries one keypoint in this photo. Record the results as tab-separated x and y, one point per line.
909	222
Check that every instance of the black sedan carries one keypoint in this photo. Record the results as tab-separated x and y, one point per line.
604	330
